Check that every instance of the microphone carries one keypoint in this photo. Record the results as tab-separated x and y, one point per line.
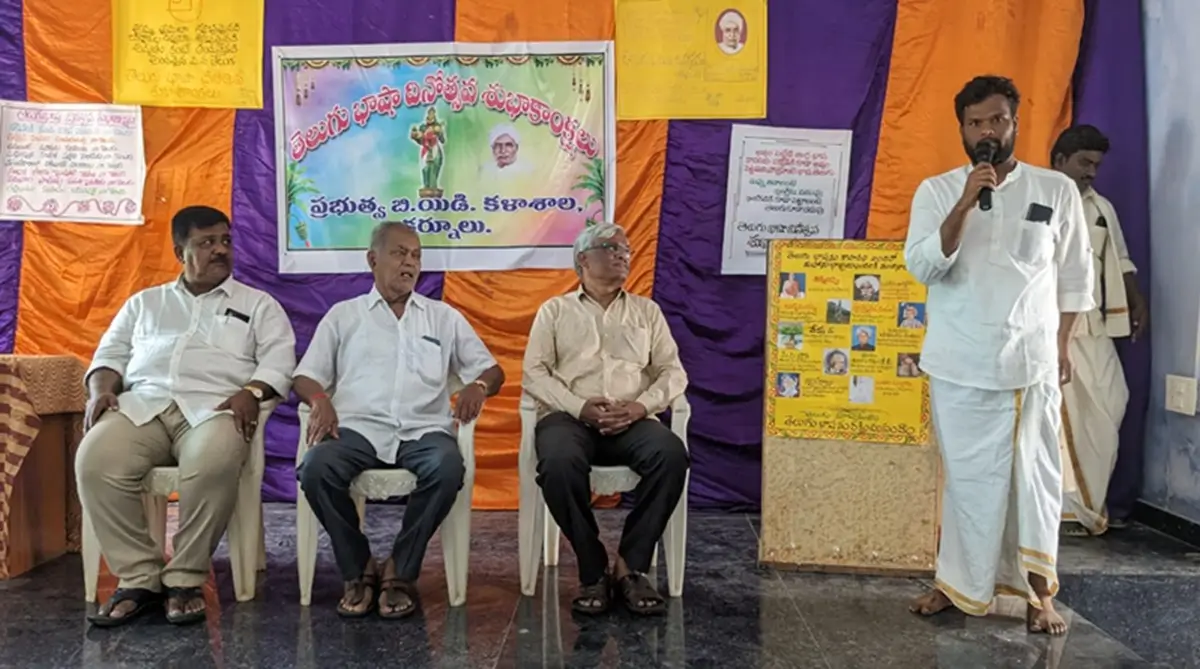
985	152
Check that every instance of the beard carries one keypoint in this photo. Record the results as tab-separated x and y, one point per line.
1004	150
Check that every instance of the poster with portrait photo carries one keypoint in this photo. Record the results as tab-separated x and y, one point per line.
911	315
908	365
836	362
792	285
866	287
862	390
787	384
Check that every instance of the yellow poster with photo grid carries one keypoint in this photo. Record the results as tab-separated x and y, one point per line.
845	324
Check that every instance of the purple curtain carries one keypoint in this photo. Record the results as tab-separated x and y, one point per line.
12	87
830	64
307	297
1110	93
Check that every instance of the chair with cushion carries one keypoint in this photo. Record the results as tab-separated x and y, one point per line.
539	533
245	533
382	484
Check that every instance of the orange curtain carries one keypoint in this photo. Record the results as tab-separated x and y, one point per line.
939	46
501	306
74	277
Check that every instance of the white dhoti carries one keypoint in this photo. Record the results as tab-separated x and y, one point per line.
1093	408
1003	491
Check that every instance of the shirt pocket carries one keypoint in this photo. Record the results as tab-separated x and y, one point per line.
428	360
1099	238
231	335
632	344
1032	243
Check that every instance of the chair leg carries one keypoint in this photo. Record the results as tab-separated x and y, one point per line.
654	557
306	548
675	546
360	503
262	544
530	531
245	538
90	548
456	545
553	538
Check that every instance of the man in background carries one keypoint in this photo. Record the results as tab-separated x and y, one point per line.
1006	283
1095	399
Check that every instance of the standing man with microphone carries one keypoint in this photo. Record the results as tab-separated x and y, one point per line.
1003	248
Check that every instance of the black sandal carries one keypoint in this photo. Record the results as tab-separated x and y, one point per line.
634	589
364	589
143	598
393	587
585	601
186	596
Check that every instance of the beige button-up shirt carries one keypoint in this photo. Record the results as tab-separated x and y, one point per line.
578	350
1095	207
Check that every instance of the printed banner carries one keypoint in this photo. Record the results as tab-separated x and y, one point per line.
71	162
845	325
692	59
784	183
188	53
497	154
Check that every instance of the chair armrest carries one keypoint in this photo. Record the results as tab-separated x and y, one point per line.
302	413
681	414
257	458
528	413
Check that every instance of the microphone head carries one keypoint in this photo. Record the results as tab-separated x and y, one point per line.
986	150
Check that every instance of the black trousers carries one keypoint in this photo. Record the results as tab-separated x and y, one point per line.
329	467
566	450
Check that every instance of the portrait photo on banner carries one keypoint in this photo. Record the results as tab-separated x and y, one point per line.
843	358
498	155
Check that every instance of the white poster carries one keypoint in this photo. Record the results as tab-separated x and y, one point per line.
784	183
71	162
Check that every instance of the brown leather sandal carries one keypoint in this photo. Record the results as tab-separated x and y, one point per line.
359	591
397	591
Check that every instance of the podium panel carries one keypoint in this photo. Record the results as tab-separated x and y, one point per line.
850	465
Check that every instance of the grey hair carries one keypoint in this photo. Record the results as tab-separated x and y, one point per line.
590	236
380	232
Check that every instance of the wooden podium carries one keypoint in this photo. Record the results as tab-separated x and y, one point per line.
851	470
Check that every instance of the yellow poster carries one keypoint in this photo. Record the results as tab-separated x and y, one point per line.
845	324
188	53
691	59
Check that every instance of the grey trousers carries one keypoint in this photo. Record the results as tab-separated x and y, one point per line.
330	466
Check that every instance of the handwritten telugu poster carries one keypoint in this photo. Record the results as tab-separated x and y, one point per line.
784	183
691	59
498	155
71	162
845	325
188	53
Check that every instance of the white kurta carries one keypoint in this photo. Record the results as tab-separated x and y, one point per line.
991	350
1094	401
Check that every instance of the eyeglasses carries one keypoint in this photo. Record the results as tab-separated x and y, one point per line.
613	249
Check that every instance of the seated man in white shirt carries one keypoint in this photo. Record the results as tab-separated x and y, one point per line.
376	376
177	381
601	363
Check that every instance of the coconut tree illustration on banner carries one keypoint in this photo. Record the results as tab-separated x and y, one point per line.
297	184
592	181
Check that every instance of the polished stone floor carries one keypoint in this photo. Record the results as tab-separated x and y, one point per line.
1132	600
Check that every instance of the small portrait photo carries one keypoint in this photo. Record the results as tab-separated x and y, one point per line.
908	365
862	390
862	338
730	32
790	337
787	384
791	286
866	287
837	362
837	312
911	315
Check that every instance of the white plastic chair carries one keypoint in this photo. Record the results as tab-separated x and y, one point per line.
381	484
247	550
539	533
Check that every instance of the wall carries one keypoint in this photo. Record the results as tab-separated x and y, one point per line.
1172	455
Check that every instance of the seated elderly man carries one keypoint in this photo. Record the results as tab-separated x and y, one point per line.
376	378
177	380
601	363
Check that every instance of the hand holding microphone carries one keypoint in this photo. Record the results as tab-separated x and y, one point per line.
982	180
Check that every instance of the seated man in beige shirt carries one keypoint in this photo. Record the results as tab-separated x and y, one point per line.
602	363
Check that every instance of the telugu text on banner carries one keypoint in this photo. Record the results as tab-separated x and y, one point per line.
845	325
784	183
188	53
497	154
691	59
71	162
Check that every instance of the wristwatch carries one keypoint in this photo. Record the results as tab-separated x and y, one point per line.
255	391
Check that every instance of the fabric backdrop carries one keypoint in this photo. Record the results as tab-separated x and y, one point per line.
887	69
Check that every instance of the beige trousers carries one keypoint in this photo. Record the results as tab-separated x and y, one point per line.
113	458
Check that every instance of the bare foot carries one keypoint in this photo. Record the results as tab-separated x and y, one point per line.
930	603
1046	620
